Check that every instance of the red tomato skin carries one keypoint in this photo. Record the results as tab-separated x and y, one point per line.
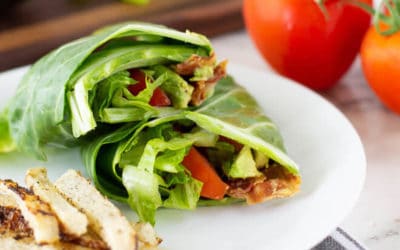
160	98
380	60
296	39
201	169
140	77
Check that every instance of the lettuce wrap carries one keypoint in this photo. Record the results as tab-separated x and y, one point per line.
116	75
149	164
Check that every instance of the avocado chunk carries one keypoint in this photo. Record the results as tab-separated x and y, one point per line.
244	165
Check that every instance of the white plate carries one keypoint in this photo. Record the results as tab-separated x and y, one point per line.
317	136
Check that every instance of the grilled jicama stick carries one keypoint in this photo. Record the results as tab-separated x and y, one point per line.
73	222
37	213
147	236
7	201
15	233
104	217
10	243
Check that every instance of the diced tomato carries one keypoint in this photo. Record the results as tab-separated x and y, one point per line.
159	97
140	77
201	169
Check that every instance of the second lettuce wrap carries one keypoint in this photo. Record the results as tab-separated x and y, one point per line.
159	163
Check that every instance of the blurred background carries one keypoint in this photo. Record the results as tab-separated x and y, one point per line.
30	28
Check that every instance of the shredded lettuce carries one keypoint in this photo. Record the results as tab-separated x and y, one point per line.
157	155
154	148
142	187
185	195
154	151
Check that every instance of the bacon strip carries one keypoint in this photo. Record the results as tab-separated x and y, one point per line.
188	67
201	88
277	182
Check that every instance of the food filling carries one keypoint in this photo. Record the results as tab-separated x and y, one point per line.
183	84
181	165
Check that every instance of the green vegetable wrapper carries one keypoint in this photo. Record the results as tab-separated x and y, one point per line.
73	89
142	163
159	123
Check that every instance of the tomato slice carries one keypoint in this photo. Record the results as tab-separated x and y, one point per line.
140	77
213	187
159	97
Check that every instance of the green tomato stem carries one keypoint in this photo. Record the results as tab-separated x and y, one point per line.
388	13
321	5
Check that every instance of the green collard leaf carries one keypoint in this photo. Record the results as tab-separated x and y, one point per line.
101	157
52	102
152	152
102	64
233	113
202	137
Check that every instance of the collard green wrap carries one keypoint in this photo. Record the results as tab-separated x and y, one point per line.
99	92
55	101
141	163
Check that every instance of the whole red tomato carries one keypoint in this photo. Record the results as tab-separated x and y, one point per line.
380	58
302	43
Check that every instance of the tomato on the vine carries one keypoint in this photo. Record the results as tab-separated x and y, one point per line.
301	40
380	57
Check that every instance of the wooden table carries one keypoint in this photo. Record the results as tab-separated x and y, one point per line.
34	27
375	219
